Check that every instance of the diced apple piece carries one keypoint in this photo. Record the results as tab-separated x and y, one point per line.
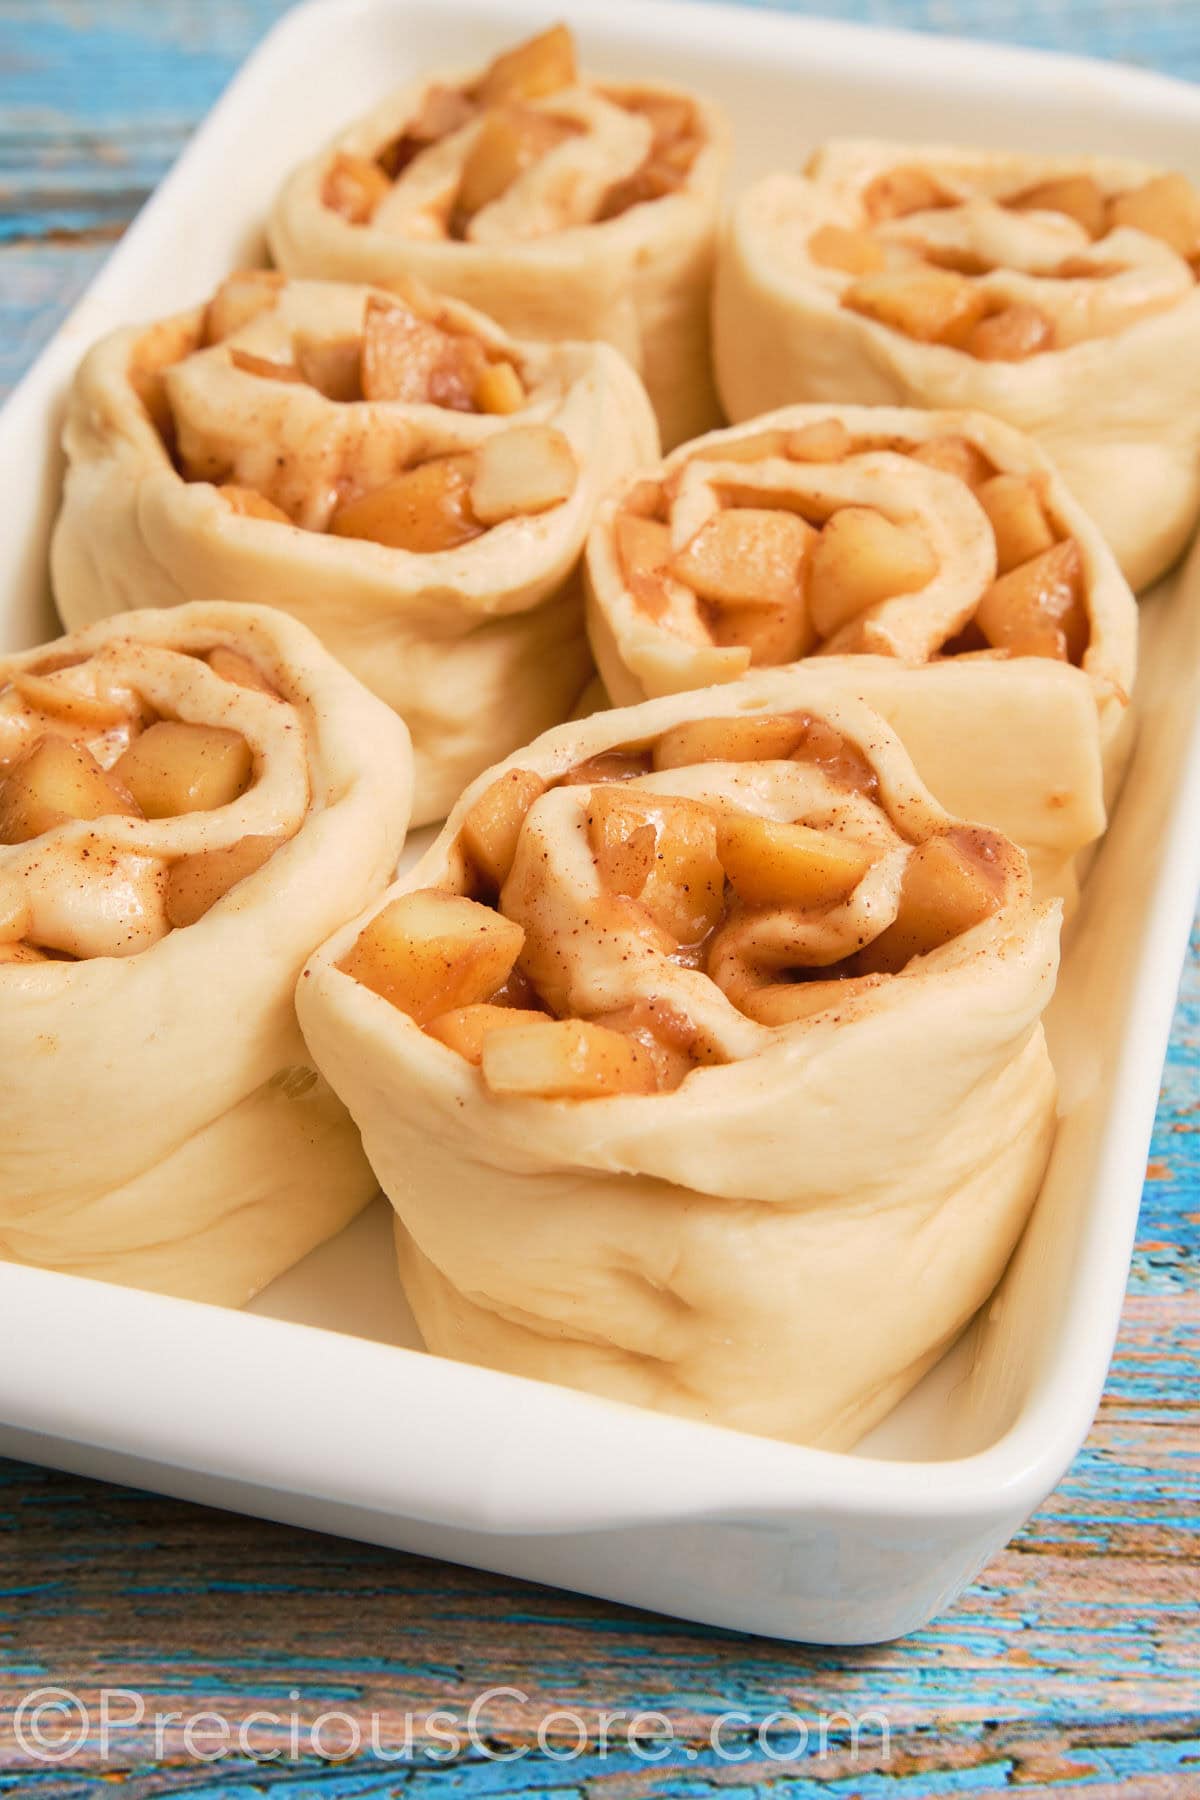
787	1002
899	192
195	883
430	951
1078	196
175	768
741	737
954	455
73	705
662	851
53	782
644	550
934	306
509	141
493	825
441	111
241	297
610	765
668	1037
565	1059
499	389
1018	519
247	503
747	556
1167	207
1010	335
542	65
623	841
774	864
949	886
825	440
1038	608
820	744
465	1028
21	953
425	509
231	665
860	559
332	365
354	187
265	368
772	634
853	252
526	469
402	353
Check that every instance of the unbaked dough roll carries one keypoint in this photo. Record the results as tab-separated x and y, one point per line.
565	208
1058	293
933	563
190	801
701	1060
395	472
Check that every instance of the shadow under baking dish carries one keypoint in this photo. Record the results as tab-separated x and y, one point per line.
325	1420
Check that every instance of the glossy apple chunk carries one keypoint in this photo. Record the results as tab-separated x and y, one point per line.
934	306
195	883
566	1059
54	782
466	1028
431	951
948	888
860	559
510	140
1038	608
354	187
243	671
773	863
524	470
747	556
175	767
493	825
1079	197
424	510
1018	519
541	65
1168	207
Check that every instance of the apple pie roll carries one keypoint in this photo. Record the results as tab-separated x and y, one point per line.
933	563
190	801
394	471
565	208
701	1059
1058	293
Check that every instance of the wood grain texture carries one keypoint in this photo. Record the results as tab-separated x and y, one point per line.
1070	1665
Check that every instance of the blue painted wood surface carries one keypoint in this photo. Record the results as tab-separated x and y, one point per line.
1071	1664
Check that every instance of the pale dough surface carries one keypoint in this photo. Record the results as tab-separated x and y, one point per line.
1031	746
1119	411
478	648
782	1244
640	282
161	1123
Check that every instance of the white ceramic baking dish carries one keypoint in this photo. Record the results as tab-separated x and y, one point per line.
315	1406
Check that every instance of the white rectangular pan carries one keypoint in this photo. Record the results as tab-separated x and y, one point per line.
314	1406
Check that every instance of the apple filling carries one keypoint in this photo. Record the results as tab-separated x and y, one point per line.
524	150
275	417
668	905
758	547
80	744
943	258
